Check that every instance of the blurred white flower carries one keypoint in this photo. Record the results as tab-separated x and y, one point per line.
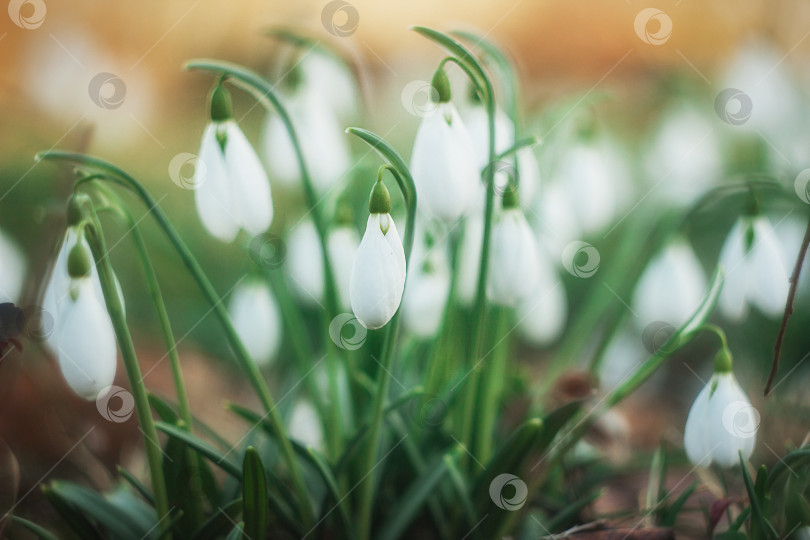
475	118
231	191
12	269
529	174
324	144
683	160
83	335
256	319
542	313
378	272
443	165
305	425
671	287
332	78
428	288
305	261
514	261
721	423
755	272
470	258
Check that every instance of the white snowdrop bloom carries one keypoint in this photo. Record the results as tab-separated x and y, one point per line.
256	319
231	189
755	272
443	164
529	172
305	261
58	287
333	79
305	425
558	223
378	273
721	423
428	288
84	334
324	144
12	269
594	178
684	157
623	356
671	287
543	312
514	261
470	258
475	119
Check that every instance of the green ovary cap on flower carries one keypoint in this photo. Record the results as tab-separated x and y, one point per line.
74	212
723	361
510	196
221	104
79	262
380	200
442	85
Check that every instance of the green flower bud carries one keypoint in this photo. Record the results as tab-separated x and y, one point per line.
380	200
442	85
722	361
79	262
75	212
510	197
221	104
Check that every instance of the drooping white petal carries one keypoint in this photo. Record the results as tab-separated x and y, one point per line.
721	424
428	288
767	276
343	243
542	314
256	318
86	342
214	196
671	287
305	262
475	118
513	259
733	302
378	273
12	269
443	165
305	425
251	190
333	80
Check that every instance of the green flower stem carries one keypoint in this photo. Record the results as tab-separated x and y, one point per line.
266	94
95	238
405	182
245	361
492	386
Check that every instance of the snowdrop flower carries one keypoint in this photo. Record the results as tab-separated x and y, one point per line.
722	422
529	176
470	258
684	158
305	425
513	257
542	313
231	189
755	269
256	319
13	269
443	159
428	289
305	261
333	79
323	143
84	335
671	287
378	274
475	118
